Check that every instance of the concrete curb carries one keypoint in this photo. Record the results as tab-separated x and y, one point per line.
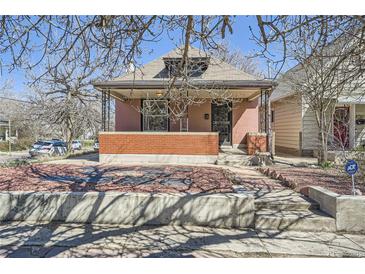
214	210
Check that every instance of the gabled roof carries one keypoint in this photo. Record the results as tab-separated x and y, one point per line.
282	91
217	70
284	86
155	73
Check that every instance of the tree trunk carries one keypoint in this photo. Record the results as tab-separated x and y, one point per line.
323	155
69	135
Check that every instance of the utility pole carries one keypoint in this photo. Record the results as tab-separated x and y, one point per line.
268	69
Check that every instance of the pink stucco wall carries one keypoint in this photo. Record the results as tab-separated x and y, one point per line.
127	118
245	118
196	117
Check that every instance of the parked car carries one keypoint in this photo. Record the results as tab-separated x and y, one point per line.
48	148
76	145
37	144
96	145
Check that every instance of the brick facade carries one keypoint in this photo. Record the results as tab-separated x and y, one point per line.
158	143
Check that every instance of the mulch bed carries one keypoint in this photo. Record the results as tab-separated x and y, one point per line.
58	178
299	178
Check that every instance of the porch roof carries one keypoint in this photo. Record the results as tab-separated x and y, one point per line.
160	84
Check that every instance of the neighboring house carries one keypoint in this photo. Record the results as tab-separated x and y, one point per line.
295	126
4	129
196	137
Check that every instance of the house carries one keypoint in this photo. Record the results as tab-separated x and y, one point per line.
4	128
295	127
146	128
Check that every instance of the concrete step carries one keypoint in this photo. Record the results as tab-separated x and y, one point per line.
305	220
283	199
232	157
285	205
233	163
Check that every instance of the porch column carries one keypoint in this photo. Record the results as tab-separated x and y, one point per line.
267	120
105	110
352	118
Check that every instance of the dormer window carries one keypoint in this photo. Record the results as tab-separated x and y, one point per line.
195	68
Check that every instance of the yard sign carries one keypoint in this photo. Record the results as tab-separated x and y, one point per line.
351	168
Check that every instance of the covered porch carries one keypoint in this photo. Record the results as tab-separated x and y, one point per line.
146	129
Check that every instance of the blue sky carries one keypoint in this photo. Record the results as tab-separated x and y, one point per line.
240	39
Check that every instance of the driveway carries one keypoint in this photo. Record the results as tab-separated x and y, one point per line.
75	240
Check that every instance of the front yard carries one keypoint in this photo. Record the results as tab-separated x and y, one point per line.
69	176
299	178
58	178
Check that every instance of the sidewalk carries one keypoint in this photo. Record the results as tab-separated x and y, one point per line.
15	155
74	240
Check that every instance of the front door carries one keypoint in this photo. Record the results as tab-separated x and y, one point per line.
222	122
341	127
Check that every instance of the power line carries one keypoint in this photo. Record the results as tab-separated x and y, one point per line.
16	100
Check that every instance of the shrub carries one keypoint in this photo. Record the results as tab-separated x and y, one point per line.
87	143
20	144
327	165
15	163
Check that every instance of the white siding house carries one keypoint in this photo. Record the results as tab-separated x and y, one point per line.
295	126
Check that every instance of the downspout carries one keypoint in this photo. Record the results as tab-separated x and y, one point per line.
269	131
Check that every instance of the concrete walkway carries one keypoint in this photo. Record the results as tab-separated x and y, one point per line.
287	159
74	240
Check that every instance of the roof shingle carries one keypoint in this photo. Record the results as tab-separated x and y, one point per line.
217	70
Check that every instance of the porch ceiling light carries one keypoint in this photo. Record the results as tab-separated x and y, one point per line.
159	93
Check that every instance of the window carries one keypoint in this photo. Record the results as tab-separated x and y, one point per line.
272	116
195	68
155	115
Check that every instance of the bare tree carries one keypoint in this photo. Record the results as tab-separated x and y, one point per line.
324	72
116	40
65	99
237	59
276	33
